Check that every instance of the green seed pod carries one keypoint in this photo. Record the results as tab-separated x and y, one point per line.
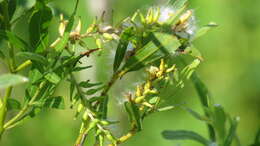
85	116
80	108
103	122
109	136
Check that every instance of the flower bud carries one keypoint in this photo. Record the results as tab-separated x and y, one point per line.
139	99
103	122
171	68
99	43
185	17
138	91
80	108
85	116
108	36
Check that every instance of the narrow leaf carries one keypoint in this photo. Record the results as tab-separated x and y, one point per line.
134	115
38	27
35	75
7	80
232	132
87	84
184	135
201	89
13	104
197	115
33	56
202	31
53	78
16	41
219	121
162	42
122	47
54	102
76	69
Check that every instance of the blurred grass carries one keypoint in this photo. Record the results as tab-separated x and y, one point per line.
231	70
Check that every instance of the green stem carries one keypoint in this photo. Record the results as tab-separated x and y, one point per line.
4	110
25	108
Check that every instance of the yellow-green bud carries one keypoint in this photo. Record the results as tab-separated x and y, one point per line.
99	43
139	99
85	116
138	91
103	122
185	16
108	36
171	69
162	65
147	86
80	108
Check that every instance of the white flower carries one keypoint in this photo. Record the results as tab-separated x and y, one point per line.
166	13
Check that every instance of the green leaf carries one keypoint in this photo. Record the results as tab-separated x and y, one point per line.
162	42
134	115
72	89
205	100
16	41
197	115
87	84
93	91
53	78
13	104
189	69
33	56
201	89
76	69
38	27
7	80
54	102
178	4
202	31
193	51
166	108
35	75
232	132
122	47
184	135
11	8
219	121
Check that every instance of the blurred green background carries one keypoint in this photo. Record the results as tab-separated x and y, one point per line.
231	70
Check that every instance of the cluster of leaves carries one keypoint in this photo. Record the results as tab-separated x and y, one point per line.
153	40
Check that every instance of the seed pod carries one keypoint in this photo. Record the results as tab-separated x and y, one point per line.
103	122
80	108
85	116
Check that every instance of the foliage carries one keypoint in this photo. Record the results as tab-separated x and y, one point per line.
144	42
